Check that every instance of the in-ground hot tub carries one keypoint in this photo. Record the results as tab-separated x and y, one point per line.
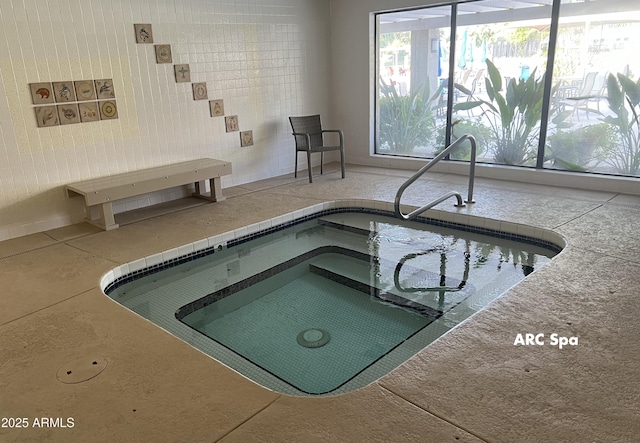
328	299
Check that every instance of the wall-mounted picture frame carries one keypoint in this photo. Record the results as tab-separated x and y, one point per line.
246	138
68	114
183	73
89	112
46	116
104	89
41	93
144	33
64	92
163	54
199	91
85	90
231	123
216	108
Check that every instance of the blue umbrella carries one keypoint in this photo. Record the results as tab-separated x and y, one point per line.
462	59
439	59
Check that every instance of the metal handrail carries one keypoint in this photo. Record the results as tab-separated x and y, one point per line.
425	168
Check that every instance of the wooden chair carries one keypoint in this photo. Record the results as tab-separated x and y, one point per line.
308	135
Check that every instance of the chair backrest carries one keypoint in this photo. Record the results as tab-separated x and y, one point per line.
309	124
599	85
587	84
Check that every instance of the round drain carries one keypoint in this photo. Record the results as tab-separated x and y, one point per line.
313	338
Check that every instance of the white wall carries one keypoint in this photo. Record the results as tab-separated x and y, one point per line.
267	59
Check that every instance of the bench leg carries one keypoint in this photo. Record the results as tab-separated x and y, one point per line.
106	220
216	190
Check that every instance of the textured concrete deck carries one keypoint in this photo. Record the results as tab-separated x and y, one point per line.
472	384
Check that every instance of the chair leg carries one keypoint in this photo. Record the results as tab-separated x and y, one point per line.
295	171
321	162
309	166
342	161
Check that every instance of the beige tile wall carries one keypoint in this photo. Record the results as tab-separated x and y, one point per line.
267	59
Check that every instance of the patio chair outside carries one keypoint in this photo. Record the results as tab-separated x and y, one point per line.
308	135
580	101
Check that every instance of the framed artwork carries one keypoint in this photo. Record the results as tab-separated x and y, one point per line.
246	138
216	107
68	114
104	88
183	74
89	112
41	93
231	123
108	110
144	33
64	92
163	54
199	91
46	116
85	90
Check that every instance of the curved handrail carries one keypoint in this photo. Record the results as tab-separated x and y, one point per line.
425	168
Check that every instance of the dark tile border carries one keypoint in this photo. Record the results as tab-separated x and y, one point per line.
132	276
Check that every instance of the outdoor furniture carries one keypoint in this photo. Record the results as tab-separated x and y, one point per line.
309	138
580	99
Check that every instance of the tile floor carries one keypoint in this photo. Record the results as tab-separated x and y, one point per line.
473	384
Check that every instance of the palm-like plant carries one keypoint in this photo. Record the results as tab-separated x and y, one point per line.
513	115
623	96
406	121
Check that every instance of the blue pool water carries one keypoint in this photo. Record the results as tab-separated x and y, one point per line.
330	304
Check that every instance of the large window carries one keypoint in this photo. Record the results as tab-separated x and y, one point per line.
496	83
413	61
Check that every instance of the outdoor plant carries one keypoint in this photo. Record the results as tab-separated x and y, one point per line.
576	149
406	121
513	114
474	127
623	96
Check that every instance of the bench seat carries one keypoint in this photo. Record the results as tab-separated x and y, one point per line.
101	192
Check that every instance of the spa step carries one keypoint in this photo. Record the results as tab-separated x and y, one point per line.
416	286
354	228
365	288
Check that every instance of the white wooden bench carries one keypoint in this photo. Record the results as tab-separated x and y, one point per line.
102	192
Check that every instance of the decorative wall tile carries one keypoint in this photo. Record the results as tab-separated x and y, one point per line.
89	112
64	92
183	74
231	123
46	116
41	93
85	90
104	88
144	33
216	107
199	91
68	114
246	138
163	54
108	110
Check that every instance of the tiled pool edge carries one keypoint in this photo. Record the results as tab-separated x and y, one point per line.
154	263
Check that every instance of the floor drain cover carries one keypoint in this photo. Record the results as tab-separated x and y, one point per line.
313	338
81	370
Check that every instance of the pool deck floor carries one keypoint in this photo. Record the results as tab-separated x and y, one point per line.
472	384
